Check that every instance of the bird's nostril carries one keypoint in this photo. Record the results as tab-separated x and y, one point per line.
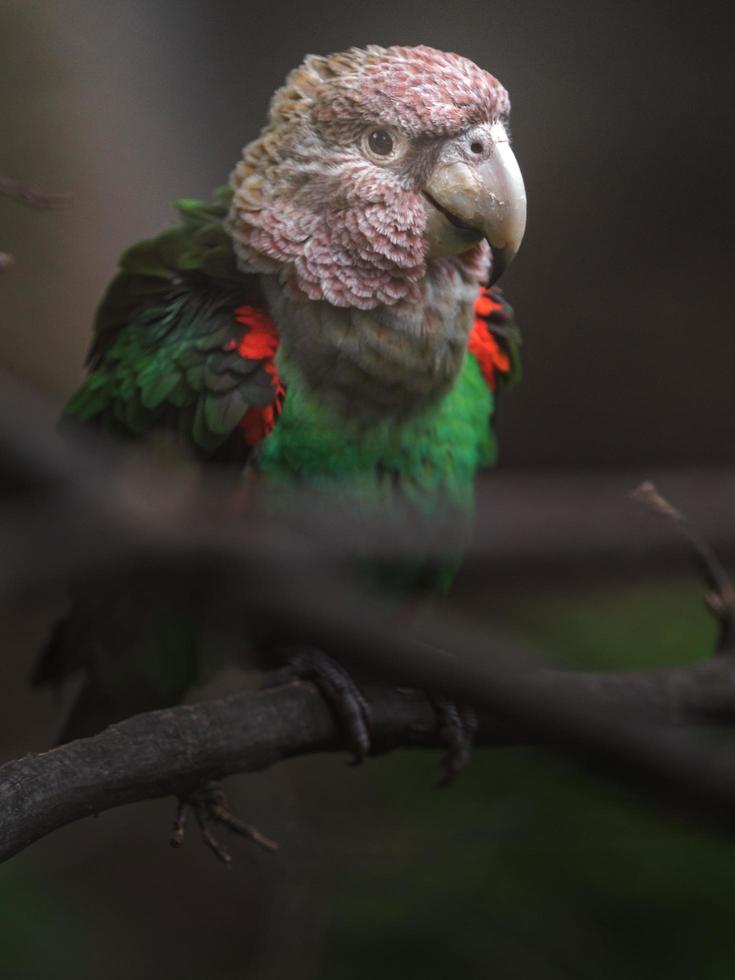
476	147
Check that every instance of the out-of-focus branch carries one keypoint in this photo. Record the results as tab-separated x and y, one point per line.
94	503
32	197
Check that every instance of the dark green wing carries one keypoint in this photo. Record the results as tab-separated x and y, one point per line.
168	347
182	344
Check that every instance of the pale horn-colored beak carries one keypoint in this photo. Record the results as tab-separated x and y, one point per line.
476	191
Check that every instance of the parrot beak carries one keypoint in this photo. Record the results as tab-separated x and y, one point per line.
476	191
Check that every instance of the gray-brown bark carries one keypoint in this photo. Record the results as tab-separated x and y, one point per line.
88	505
170	751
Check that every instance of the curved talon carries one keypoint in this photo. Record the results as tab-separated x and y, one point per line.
457	728
337	688
210	807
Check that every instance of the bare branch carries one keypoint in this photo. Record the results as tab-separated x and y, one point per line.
88	505
32	196
88	509
177	749
720	600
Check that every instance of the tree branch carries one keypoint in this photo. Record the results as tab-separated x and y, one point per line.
720	600
88	506
174	750
32	197
86	502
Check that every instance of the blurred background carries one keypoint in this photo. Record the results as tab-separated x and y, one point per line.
622	123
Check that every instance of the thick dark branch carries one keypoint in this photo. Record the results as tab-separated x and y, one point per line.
167	752
89	506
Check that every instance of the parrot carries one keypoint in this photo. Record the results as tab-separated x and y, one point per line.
328	320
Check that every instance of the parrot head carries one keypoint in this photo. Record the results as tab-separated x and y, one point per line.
375	164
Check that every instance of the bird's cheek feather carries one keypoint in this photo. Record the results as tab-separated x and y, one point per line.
364	255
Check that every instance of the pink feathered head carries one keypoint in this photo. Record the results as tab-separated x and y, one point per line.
315	205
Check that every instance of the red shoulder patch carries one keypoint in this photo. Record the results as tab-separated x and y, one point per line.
482	343
259	342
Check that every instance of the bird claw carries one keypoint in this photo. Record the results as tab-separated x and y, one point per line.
338	690
210	808
457	728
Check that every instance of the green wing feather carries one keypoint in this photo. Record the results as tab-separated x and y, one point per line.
164	354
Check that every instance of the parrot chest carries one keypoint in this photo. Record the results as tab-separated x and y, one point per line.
428	461
382	363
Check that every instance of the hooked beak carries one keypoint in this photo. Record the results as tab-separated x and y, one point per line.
473	199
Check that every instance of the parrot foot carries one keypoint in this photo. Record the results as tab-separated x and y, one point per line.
338	690
457	727
210	808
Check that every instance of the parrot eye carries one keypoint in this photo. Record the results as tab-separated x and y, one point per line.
380	142
381	146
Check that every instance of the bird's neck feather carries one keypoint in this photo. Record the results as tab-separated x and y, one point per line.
387	362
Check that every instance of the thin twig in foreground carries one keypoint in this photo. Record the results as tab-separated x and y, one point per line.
720	600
